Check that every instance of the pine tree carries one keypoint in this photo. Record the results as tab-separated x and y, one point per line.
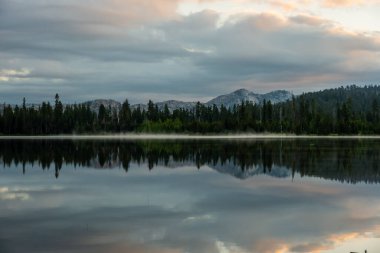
125	117
58	113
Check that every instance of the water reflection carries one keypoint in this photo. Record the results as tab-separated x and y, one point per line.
292	198
343	160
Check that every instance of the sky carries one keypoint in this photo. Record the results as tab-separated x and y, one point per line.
190	50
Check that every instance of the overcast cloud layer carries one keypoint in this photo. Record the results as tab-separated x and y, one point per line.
176	49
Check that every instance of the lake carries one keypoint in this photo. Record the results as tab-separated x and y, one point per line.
177	196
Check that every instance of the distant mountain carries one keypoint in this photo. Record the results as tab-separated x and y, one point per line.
172	105
228	100
243	95
277	96
95	104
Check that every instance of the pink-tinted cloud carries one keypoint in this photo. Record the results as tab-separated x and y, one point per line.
311	20
268	21
284	5
143	9
118	12
329	242
340	3
295	4
270	246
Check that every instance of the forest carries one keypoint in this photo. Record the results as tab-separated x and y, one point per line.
350	110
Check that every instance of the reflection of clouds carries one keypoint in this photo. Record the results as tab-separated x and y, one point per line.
139	229
38	188
375	233
297	185
102	211
357	205
24	192
315	213
328	243
6	194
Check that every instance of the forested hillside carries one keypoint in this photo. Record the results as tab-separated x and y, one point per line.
344	110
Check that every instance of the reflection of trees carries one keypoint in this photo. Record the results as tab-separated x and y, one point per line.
343	160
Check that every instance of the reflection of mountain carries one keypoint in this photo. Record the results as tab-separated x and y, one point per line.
228	167
236	171
342	160
97	163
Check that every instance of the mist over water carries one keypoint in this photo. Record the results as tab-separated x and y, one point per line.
181	195
142	136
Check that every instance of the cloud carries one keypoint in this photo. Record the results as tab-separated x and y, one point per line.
340	3
223	247
270	246
291	5
284	5
329	243
136	49
7	75
199	218
269	48
310	20
336	3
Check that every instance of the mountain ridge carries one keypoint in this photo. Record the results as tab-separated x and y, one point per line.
244	95
227	100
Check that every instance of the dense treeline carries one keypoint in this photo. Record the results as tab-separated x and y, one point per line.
345	110
342	160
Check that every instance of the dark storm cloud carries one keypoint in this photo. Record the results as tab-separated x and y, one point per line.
110	48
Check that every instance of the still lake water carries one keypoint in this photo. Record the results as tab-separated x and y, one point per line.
263	196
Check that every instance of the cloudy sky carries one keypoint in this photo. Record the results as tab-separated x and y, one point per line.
183	49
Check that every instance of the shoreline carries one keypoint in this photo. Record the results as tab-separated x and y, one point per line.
184	137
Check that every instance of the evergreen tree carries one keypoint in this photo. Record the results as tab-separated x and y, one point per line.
58	113
125	117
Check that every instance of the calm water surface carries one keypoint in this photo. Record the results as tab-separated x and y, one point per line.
263	196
